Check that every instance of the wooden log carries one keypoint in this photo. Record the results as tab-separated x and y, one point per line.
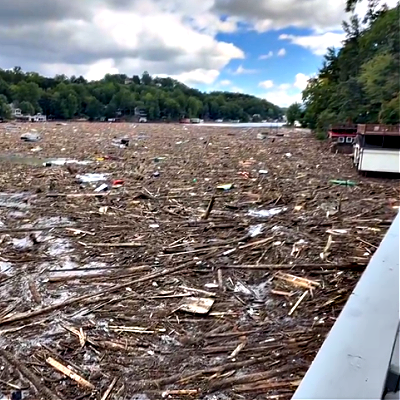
66	371
93	297
30	376
209	208
77	195
293	266
302	297
34	291
189	376
249	378
297	280
107	393
131	244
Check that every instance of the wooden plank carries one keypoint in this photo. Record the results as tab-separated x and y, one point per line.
66	371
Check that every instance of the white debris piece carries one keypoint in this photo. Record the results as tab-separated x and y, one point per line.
90	178
255	230
266	213
197	305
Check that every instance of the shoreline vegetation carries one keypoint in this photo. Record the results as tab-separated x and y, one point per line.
125	98
360	82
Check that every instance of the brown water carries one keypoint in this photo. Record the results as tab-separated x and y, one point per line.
38	161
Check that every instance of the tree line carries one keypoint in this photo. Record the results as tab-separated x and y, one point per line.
118	95
360	82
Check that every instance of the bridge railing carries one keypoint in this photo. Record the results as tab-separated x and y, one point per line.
353	361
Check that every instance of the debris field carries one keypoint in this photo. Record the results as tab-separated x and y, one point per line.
180	262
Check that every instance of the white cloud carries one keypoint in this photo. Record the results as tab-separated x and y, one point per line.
236	89
95	37
316	43
266	56
285	86
301	81
212	24
202	76
287	93
171	37
241	71
282	52
264	15
282	98
225	82
266	84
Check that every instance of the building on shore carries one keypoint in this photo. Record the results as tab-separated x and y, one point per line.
377	148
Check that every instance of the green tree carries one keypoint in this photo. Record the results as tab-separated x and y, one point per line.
154	111
380	78
27	108
124	101
372	12
146	78
46	103
390	112
65	102
111	111
214	108
172	109
29	92
136	79
69	106
293	113
94	108
5	110
194	107
359	83
64	97
5	89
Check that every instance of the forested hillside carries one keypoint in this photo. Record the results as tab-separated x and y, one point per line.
117	95
360	82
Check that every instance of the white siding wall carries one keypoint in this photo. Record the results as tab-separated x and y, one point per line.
379	160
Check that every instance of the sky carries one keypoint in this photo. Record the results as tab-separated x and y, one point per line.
267	48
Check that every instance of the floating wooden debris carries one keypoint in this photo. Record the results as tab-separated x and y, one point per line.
281	293
294	308
197	305
35	292
328	245
107	393
297	280
181	392
66	371
132	244
128	294
235	352
209	208
133	329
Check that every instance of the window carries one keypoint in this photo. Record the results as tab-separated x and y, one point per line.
373	141
391	142
349	140
341	140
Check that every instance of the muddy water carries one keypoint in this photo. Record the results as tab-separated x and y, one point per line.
38	161
24	160
14	200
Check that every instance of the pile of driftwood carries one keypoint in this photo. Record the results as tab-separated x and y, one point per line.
212	263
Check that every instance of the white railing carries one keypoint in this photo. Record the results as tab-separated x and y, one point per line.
354	360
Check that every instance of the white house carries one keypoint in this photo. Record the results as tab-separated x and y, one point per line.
15	112
39	118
